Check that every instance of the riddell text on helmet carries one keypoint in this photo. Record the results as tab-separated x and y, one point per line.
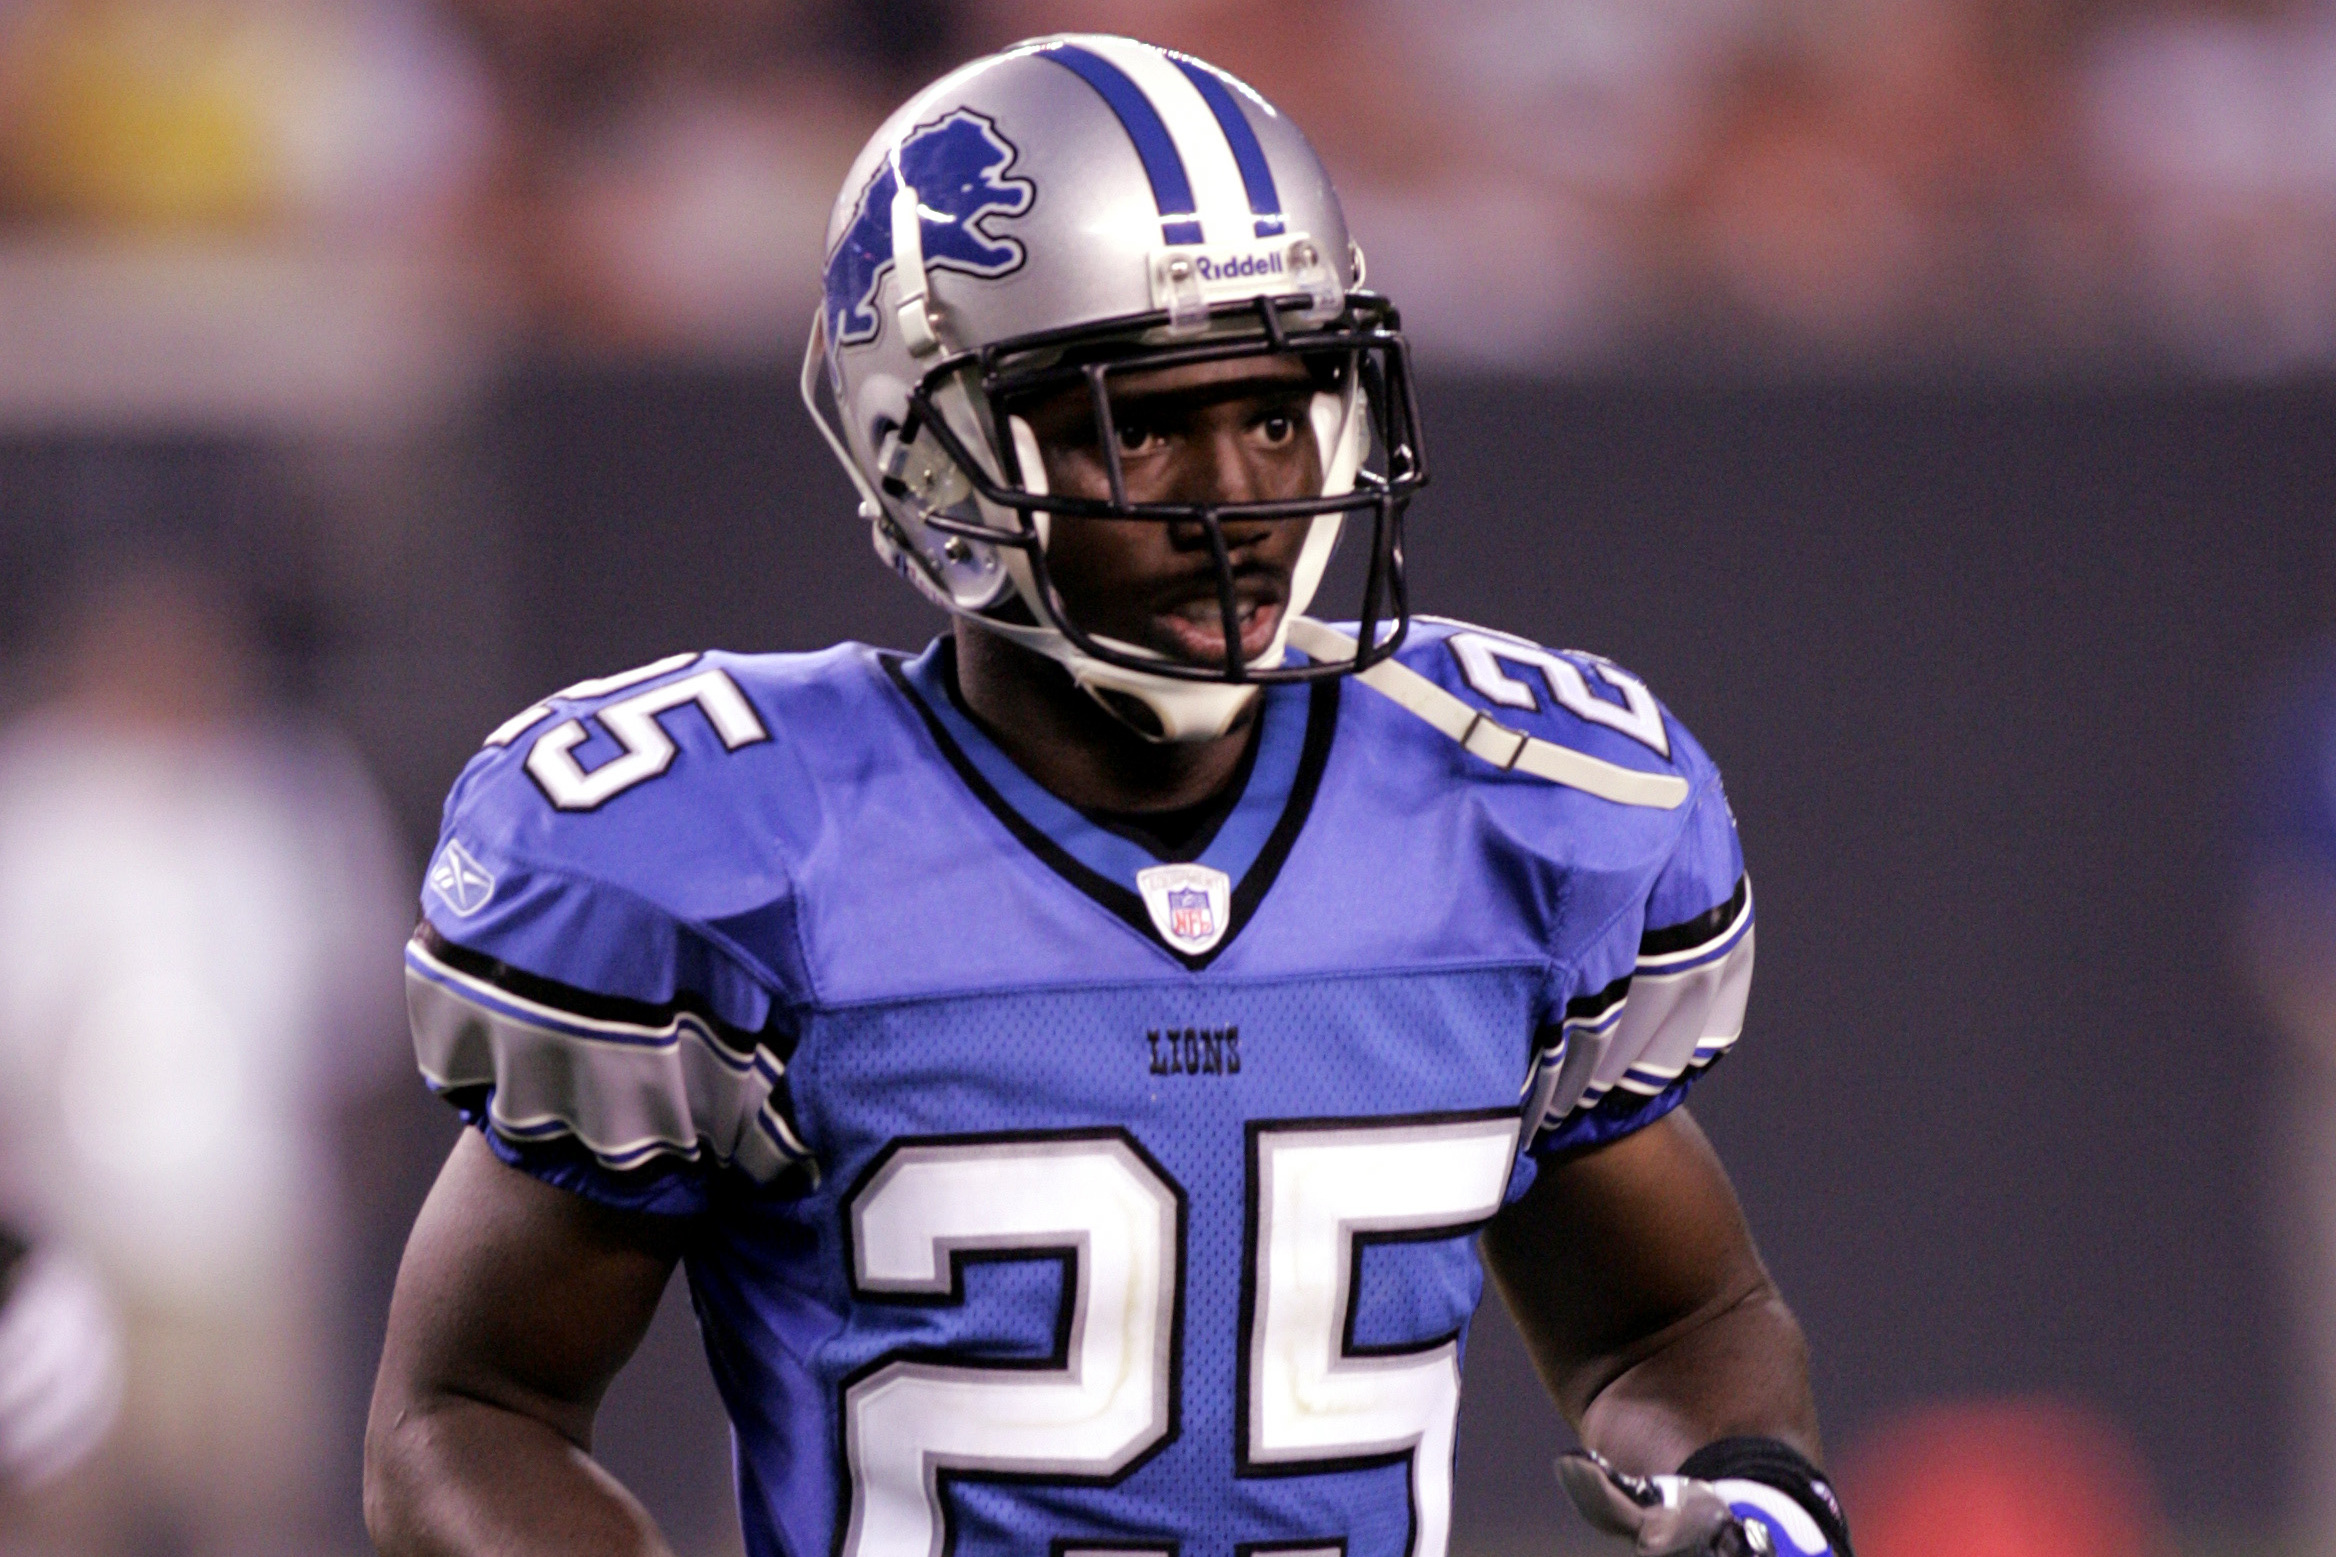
1239	267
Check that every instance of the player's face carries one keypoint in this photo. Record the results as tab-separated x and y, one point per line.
1212	432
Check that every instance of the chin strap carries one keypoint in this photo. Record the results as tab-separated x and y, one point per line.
1481	735
1177	711
1186	710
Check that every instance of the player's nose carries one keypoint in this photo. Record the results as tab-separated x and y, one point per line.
1224	467
1216	469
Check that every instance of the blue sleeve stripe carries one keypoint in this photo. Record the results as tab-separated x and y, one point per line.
1687	962
1265	202
1163	164
1601	1022
620	1159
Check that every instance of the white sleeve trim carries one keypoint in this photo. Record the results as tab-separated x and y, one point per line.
1683	1010
626	1091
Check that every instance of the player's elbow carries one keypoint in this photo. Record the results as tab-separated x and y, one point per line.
1739	1370
391	1483
406	1467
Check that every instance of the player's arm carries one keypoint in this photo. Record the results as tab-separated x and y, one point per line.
515	1305
1635	1282
1647	1310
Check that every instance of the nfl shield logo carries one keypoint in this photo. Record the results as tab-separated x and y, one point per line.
1189	918
1190	905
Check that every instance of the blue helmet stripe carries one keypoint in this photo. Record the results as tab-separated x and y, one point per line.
1265	202
1171	190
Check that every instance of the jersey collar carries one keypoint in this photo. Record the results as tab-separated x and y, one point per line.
1191	910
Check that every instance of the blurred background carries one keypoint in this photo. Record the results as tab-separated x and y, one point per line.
1932	398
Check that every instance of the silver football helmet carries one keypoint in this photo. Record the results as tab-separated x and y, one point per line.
1050	218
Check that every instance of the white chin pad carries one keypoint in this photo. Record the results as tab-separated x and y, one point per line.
1186	710
1180	710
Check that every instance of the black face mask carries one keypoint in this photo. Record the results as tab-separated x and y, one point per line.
1362	345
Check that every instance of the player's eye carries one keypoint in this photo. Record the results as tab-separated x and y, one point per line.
1136	437
1277	428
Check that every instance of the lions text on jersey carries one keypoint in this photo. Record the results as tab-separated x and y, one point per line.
1049	1196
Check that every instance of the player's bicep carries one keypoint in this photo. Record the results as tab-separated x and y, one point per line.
1617	1250
519	1295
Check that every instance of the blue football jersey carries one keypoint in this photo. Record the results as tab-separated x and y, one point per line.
1047	1195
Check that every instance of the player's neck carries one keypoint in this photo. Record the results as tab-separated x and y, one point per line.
1062	738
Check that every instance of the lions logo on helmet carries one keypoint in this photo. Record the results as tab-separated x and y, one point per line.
954	164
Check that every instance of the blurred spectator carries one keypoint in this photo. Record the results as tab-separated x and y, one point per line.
240	213
2017	1478
2213	141
165	116
1867	179
202	902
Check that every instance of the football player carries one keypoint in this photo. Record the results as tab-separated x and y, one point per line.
1088	1067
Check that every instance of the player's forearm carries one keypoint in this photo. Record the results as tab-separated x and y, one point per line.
458	1477
1740	1372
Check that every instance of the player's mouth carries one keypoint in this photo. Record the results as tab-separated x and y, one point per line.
1192	628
